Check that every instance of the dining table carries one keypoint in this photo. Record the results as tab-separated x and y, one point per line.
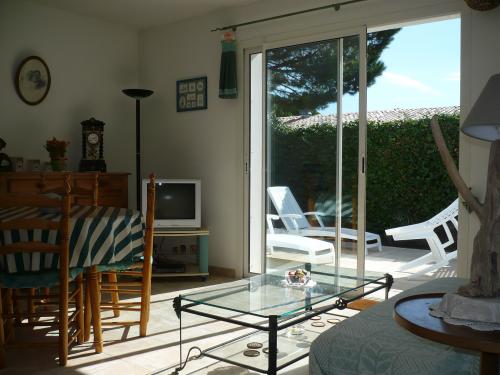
101	238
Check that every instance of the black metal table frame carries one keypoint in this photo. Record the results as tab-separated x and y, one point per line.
272	327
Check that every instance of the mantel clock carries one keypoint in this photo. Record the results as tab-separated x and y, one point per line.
92	146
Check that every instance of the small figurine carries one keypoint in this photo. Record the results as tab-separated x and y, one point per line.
5	162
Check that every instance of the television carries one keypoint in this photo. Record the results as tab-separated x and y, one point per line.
177	203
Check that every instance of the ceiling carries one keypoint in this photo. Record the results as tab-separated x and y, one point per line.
142	13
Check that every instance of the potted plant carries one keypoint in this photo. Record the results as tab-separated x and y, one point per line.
57	152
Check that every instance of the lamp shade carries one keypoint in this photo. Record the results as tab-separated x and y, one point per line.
137	93
483	121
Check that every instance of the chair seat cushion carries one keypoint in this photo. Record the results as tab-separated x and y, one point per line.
118	266
121	265
42	279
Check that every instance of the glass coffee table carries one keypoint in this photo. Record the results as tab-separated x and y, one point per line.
272	311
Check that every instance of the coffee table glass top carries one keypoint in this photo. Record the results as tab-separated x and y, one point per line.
268	294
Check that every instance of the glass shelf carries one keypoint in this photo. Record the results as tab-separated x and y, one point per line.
290	349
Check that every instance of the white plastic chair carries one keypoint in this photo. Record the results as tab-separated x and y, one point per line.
313	247
295	221
427	231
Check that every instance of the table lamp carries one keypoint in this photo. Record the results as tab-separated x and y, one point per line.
483	122
138	94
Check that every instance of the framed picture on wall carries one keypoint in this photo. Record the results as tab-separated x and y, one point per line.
32	80
192	94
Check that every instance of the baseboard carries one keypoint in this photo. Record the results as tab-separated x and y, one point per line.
221	271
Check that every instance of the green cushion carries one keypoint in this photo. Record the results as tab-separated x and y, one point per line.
122	265
118	266
41	279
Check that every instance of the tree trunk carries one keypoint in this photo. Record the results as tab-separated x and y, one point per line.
485	263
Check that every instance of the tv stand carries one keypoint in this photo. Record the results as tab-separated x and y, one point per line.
201	268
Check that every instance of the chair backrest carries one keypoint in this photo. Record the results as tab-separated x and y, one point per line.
84	189
24	213
285	204
148	235
448	214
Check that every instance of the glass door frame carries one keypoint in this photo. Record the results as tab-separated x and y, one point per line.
361	206
247	53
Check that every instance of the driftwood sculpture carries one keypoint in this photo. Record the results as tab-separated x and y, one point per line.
485	264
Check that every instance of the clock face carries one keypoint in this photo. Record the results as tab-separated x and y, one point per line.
93	138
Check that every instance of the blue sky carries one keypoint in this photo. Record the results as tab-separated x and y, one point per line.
422	70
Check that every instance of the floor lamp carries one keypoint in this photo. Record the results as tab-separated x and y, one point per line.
138	94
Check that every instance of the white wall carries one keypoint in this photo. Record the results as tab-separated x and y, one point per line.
209	144
90	63
204	144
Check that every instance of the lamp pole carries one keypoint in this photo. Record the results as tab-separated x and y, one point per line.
138	94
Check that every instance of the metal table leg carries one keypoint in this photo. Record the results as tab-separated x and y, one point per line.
388	281
273	344
178	312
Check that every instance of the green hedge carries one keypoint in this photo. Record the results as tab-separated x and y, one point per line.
406	180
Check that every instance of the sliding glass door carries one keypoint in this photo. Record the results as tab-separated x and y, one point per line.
254	164
308	181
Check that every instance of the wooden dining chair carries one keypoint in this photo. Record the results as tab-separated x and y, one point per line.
83	192
116	283
31	229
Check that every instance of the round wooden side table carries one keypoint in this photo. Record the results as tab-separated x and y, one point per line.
412	313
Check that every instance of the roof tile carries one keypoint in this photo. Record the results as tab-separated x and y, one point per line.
396	114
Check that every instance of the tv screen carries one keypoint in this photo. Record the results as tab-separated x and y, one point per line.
175	201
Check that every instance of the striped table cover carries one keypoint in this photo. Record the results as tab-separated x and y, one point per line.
98	236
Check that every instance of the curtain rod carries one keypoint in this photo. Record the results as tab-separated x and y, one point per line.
335	6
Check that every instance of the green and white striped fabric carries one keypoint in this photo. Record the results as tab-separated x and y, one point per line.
98	236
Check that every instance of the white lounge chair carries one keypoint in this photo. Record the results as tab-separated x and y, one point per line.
313	247
427	231
295	221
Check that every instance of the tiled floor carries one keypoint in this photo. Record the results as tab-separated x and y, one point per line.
158	353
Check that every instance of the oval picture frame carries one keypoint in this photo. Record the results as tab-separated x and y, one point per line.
32	80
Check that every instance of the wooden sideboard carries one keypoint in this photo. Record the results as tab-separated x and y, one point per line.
113	187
